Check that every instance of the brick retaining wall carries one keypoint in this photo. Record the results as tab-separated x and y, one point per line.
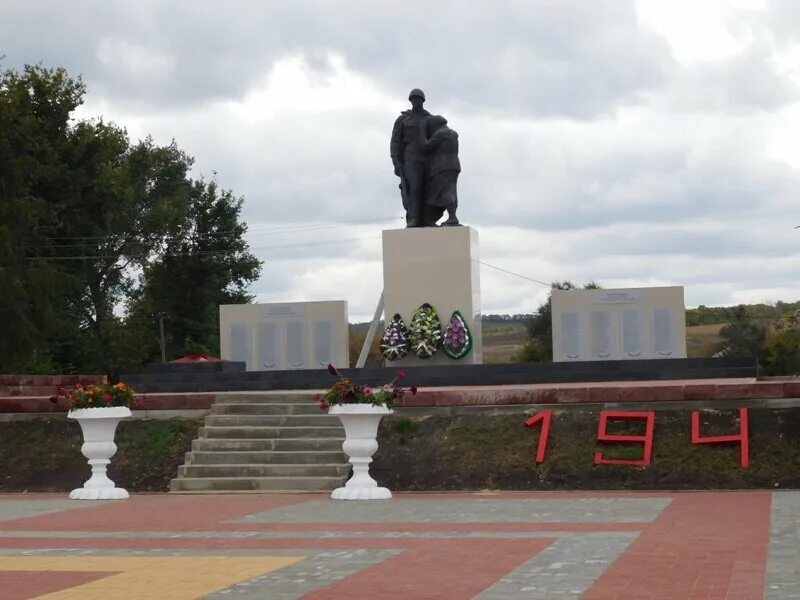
565	393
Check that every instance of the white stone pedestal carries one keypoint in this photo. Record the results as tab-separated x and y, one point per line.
437	265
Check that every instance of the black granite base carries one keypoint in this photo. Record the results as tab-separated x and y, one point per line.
234	378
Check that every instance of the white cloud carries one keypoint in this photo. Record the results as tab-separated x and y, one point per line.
628	142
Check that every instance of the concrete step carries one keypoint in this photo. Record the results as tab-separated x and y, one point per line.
324	470
265	444
241	433
263	408
318	420
312	457
267	398
244	484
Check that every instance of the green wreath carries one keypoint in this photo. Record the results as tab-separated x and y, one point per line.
426	331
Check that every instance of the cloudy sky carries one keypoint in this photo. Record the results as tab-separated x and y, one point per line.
629	142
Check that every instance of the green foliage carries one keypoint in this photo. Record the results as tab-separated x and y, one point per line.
35	106
744	337
45	456
83	212
539	345
715	315
781	356
406	429
206	263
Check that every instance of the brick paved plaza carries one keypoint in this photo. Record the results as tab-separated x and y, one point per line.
734	545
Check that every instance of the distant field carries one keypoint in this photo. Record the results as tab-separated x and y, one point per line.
703	340
502	341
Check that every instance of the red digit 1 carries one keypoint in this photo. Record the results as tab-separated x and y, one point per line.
543	418
649	417
742	438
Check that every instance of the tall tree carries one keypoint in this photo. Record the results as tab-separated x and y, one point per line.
121	204
35	106
91	223
206	263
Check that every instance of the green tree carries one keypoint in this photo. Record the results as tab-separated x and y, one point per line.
781	355
116	213
35	106
744	336
90	224
206	262
539	345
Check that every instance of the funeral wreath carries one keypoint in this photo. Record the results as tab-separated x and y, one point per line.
426	331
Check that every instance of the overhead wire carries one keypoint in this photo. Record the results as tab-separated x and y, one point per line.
207	252
253	232
515	274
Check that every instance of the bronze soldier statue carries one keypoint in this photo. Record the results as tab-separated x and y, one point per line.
410	161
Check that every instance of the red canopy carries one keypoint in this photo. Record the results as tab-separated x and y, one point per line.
191	358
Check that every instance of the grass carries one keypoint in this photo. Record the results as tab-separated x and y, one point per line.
497	452
45	456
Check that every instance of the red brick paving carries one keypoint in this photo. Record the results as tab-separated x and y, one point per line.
441	569
22	585
156	513
703	545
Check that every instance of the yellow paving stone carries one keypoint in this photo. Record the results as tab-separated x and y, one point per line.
150	578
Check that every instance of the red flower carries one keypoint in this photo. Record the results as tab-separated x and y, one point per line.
106	398
332	370
400	374
318	397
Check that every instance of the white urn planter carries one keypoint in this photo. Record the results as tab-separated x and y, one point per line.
99	426
360	423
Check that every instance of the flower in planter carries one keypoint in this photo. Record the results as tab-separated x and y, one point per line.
395	344
345	391
426	331
457	338
103	395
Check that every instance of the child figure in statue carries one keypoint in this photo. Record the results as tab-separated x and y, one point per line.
443	169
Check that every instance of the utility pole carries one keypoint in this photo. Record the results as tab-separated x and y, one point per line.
163	343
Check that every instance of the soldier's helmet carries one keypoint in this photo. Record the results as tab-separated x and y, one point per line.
416	92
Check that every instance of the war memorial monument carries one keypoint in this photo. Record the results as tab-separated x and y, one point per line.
562	474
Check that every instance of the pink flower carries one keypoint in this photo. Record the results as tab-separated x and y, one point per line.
106	397
367	391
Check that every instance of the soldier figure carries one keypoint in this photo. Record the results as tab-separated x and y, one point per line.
443	170
410	161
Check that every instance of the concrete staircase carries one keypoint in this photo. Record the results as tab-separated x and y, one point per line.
265	442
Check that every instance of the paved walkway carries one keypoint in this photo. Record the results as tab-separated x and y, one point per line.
506	546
